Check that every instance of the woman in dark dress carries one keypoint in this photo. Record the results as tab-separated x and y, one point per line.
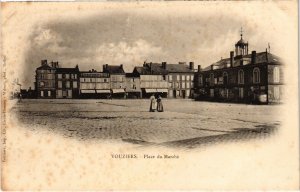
160	107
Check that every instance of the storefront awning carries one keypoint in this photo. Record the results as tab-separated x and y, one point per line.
162	90
102	91
150	90
156	90
87	91
133	90
118	91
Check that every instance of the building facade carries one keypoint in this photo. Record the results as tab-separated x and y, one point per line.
153	79
94	84
67	82
117	79
243	77
132	86
45	80
180	80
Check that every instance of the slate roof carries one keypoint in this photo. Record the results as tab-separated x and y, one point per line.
179	68
150	69
261	57
44	67
114	69
67	70
157	69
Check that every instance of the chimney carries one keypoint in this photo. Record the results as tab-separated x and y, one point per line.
253	57
241	62
121	66
199	68
191	65
212	67
44	62
267	59
105	66
231	58
164	65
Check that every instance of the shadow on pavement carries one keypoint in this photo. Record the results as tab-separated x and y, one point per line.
260	131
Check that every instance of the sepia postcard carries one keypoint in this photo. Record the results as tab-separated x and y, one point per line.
140	95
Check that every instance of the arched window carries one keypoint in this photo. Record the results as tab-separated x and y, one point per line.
225	78
256	75
276	74
241	77
212	79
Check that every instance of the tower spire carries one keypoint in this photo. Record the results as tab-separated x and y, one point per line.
241	32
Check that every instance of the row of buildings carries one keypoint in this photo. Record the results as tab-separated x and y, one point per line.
167	80
242	77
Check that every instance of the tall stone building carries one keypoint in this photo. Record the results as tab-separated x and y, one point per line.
45	80
67	82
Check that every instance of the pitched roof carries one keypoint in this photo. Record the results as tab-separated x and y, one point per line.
44	67
67	70
150	69
178	68
114	69
261	57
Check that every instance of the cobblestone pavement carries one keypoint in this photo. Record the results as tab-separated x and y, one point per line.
184	123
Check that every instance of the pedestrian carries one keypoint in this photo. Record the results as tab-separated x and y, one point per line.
153	104
160	107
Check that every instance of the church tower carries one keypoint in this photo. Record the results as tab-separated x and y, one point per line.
241	47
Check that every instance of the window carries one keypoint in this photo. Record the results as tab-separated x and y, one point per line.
276	93
187	85
178	77
276	74
212	93
241	77
75	76
225	78
183	77
212	79
75	84
59	84
170	77
183	85
67	76
69	93
192	78
256	75
42	84
241	93
200	80
49	93
42	93
59	93
67	84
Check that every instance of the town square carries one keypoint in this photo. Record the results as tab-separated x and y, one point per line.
184	123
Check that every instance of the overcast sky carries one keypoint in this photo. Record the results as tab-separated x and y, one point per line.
130	36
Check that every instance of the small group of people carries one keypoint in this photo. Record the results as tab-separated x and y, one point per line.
156	104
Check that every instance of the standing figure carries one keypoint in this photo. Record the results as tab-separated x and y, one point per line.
160	107
153	104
